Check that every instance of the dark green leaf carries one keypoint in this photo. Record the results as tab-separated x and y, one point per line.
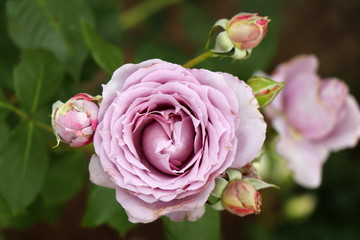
5	213
23	166
53	25
64	179
106	55
206	228
102	207
37	79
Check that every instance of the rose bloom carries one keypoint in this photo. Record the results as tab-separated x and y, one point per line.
166	132
312	117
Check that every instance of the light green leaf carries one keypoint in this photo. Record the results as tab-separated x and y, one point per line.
106	55
37	79
259	184
64	179
53	25
206	228
23	166
102	208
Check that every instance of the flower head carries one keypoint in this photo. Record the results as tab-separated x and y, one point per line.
313	117
166	132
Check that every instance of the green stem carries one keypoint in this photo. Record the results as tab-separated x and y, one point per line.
198	59
25	116
142	11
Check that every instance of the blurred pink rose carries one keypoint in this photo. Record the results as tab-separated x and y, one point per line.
313	117
166	132
75	121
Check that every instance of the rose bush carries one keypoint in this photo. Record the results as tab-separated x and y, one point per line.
313	117
166	132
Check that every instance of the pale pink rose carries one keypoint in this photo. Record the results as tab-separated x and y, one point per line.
166	132
75	121
313	118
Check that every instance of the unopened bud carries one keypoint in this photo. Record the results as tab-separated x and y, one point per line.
241	34
246	30
241	198
75	121
265	89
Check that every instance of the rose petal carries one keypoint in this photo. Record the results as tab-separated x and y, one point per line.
97	174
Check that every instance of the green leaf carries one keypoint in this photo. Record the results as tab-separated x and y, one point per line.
106	55
23	166
102	208
53	25
37	79
206	228
5	213
64	179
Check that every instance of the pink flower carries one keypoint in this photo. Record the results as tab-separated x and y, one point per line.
75	121
313	117
166	132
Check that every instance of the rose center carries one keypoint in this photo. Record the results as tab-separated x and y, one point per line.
167	144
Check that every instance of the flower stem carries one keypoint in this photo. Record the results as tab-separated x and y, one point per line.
142	11
198	59
25	116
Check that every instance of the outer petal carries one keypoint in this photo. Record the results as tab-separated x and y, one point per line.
347	130
304	158
306	64
139	211
117	81
251	131
97	174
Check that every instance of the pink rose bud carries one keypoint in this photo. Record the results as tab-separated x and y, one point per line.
240	35
265	89
241	198
75	121
246	30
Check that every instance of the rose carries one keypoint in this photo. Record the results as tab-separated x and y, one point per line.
166	132
75	121
313	117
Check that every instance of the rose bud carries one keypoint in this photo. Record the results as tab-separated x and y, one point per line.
240	34
246	30
241	198
265	89
75	121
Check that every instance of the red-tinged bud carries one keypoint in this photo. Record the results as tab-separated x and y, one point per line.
246	30
241	198
265	89
75	121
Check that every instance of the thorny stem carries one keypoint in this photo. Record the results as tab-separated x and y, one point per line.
198	59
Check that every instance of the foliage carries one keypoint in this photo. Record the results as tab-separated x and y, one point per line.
51	49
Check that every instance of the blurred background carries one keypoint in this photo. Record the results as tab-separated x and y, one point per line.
177	31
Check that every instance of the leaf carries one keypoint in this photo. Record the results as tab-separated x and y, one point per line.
23	166
5	213
64	178
206	228
53	25
102	207
106	55
37	79
259	184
